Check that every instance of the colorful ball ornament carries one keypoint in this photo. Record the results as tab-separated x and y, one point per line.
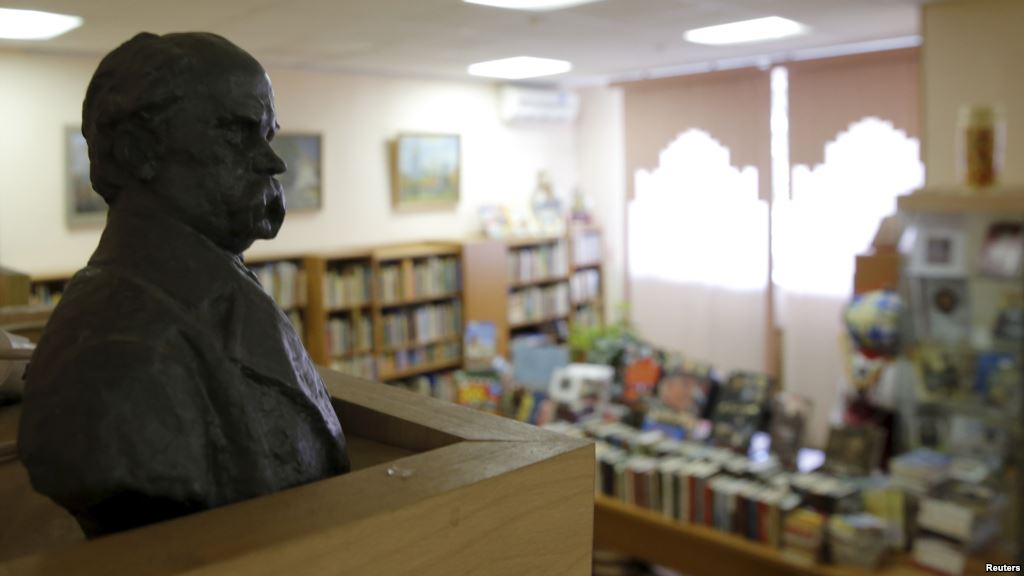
873	320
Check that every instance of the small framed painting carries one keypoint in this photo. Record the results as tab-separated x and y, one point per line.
303	191
425	171
939	251
85	208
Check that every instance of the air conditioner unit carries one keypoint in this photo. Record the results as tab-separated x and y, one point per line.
519	104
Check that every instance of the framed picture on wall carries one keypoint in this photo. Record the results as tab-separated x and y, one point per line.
425	171
84	207
939	250
303	191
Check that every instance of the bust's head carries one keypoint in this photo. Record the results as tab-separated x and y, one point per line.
182	123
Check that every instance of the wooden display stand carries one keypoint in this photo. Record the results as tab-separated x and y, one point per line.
435	489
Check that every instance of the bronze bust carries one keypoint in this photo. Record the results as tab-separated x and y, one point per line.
167	382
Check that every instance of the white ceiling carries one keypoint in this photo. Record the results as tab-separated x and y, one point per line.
607	39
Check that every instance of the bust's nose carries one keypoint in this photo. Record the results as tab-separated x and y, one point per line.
268	162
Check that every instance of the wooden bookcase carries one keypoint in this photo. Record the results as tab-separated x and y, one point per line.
286	279
364	303
586	276
497	272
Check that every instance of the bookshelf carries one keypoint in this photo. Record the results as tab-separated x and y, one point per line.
285	279
976	341
418	316
701	550
586	276
389	313
543	283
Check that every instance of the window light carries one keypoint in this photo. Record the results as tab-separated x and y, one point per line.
519	67
35	25
756	30
530	4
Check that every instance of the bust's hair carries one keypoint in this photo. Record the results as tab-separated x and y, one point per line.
136	88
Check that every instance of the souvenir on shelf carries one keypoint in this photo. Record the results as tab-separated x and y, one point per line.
938	373
997	380
687	387
1002	251
640	377
872	320
480	344
789	415
854	450
494	220
546	207
741	410
946	313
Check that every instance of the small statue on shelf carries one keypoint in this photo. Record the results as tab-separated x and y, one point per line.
167	382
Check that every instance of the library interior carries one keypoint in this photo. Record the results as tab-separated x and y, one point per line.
509	287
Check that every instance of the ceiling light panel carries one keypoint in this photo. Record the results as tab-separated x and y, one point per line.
519	68
536	5
756	30
35	25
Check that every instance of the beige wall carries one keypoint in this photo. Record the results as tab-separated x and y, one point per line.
972	54
600	163
40	94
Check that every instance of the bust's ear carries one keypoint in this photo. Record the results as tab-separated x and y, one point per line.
134	151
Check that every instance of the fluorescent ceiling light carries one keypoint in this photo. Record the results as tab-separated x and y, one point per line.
35	25
530	4
519	67
757	30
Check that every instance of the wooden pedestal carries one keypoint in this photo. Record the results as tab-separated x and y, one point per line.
436	489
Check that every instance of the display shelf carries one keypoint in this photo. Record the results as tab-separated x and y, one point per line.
538	240
490	284
951	201
416	301
352	354
412	344
516	285
704	551
347	308
970	215
422	369
536	322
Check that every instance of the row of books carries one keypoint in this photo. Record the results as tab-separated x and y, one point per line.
586	247
538	303
422	324
439	385
284	281
585	285
391	286
46	294
363	366
954	521
435	276
347	286
345	335
402	360
537	262
697	492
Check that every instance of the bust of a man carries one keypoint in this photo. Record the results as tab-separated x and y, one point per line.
167	381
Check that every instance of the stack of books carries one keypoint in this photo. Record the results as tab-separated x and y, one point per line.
954	521
857	539
920	470
803	535
348	286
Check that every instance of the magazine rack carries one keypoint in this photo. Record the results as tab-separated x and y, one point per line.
435	489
